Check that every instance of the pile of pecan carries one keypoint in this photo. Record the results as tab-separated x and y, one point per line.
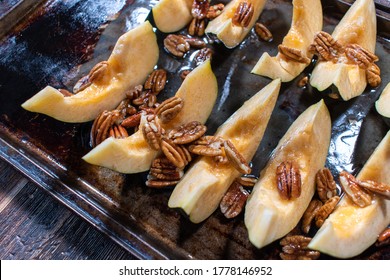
127	115
329	49
201	13
179	146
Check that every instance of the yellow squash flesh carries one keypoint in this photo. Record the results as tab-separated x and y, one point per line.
268	217
306	22
132	60
231	35
358	26
172	15
350	230
132	154
382	105
201	189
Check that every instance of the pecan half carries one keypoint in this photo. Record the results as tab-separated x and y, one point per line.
293	54
233	201
324	212
360	56
310	214
236	158
243	14
98	71
288	180
200	8
203	55
197	27
357	194
169	109
81	84
295	248
326	46
177	154
247	180
375	187
118	131
383	238
263	32
126	108
152	132
156	81
214	11
132	121
101	126
373	75
147	98
207	146
187	133
176	45
195	42
326	186
135	92
160	184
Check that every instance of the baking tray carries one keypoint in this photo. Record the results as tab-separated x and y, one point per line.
61	40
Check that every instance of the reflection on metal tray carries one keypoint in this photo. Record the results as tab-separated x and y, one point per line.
60	42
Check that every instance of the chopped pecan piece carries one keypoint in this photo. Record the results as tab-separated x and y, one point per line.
177	154
326	209
357	194
326	186
207	146
118	131
293	54
263	32
156	81
310	214
214	11
373	75
197	27
176	45
200	8
203	55
135	92
187	133
375	187
233	201
152	132
184	74
101	126
326	46
132	121
243	14
65	92
98	71
383	238
221	159
236	158
247	180
360	55
169	109
288	180
295	248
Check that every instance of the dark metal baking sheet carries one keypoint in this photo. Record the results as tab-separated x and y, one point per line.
62	40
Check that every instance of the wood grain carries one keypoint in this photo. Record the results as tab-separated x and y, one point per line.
35	226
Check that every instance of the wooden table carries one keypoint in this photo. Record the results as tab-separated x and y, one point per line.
36	226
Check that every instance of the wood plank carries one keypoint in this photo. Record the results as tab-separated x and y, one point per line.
36	226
